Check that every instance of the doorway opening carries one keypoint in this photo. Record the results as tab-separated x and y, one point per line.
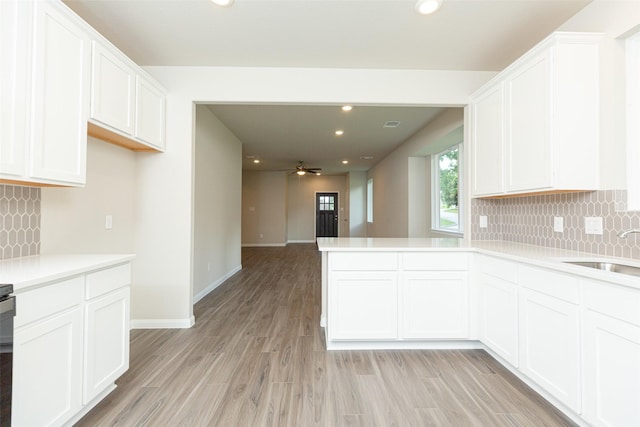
326	214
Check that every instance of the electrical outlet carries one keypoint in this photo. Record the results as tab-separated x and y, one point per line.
261	235
558	224
483	221
593	225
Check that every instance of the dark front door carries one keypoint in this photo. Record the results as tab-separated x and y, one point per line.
326	214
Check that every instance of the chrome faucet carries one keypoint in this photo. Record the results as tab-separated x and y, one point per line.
624	234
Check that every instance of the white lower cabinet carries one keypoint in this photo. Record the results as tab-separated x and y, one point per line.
550	345
71	344
363	305
106	341
499	316
435	305
47	388
611	347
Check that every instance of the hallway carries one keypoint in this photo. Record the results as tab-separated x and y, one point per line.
256	357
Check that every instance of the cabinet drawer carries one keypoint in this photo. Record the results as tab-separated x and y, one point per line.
105	281
614	301
43	302
435	261
557	285
363	261
501	269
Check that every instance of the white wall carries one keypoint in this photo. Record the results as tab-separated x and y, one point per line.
391	176
217	201
73	219
301	201
264	208
614	19
162	275
357	202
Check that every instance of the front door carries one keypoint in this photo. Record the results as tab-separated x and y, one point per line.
326	214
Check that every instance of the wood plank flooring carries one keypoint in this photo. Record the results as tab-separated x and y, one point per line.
256	357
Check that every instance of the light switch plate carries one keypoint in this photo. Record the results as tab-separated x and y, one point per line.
593	225
483	221
558	224
108	222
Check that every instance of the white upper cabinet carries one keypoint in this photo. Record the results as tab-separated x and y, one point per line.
535	126
150	113
487	129
45	93
126	104
112	90
15	31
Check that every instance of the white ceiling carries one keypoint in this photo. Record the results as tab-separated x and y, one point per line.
483	35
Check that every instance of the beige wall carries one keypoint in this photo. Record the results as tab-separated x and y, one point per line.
264	208
73	219
301	205
217	200
357	202
391	207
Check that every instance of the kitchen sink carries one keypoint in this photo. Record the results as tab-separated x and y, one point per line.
608	266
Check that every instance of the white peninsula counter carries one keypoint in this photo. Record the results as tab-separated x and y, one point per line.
571	332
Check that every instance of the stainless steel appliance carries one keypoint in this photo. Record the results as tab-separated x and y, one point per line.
7	312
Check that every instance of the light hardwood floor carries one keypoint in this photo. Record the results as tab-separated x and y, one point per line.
256	357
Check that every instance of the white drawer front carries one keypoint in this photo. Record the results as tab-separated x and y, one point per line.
554	284
431	261
363	261
43	302
105	281
614	301
505	270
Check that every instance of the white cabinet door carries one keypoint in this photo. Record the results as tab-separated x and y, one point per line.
363	305
106	341
150	113
47	382
528	108
550	345
487	134
435	305
15	46
62	59
612	371
499	317
112	90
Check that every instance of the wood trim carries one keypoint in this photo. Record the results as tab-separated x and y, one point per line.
115	138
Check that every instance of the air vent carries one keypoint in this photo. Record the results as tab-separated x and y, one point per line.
391	124
366	157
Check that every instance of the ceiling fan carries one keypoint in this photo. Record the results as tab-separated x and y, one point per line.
302	170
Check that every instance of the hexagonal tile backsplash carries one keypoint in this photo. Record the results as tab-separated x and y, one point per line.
529	219
19	221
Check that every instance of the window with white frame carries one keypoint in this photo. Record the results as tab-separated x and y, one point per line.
370	200
446	180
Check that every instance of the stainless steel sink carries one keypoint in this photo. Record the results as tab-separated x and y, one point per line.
608	266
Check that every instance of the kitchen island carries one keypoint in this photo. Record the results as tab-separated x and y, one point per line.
571	332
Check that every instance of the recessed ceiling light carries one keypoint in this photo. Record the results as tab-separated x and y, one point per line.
256	161
339	132
347	108
318	174
223	3
426	7
345	162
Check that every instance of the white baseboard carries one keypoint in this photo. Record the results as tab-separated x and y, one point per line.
203	293
264	245
300	241
162	323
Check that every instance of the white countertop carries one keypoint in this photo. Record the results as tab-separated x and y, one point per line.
531	254
35	270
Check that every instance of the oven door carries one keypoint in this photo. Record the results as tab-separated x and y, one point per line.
7	312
